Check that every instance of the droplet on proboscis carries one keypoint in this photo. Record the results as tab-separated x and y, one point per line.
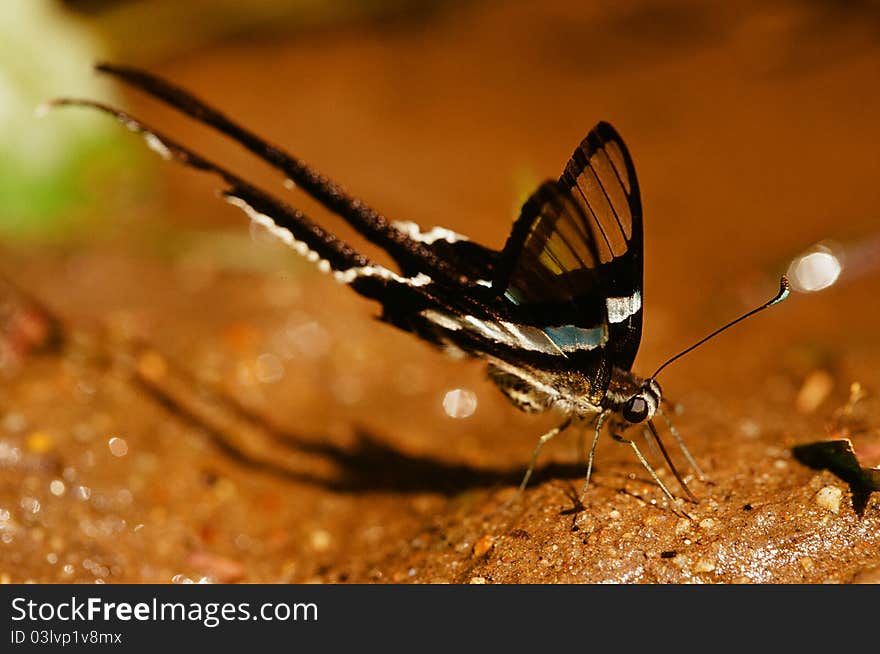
816	269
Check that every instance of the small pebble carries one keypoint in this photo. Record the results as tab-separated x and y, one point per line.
483	545
221	568
704	565
829	498
816	387
680	561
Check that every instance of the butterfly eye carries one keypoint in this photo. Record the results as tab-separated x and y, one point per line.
636	409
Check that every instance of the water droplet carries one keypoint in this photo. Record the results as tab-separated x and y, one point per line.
460	403
52	558
269	368
816	269
118	446
9	455
57	487
31	504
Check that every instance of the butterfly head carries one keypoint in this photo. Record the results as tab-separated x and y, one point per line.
643	404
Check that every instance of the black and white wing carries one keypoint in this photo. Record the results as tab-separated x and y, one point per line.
473	263
437	252
561	301
564	306
601	178
572	266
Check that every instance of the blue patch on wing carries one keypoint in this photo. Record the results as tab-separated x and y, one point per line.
570	338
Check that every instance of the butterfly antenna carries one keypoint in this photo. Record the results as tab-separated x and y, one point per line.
784	289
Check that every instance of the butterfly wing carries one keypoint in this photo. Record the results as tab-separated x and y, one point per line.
572	266
470	260
601	178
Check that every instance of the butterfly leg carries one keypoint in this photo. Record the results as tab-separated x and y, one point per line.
647	466
684	450
599	422
541	441
654	437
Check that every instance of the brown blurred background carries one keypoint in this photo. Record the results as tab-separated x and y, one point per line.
753	129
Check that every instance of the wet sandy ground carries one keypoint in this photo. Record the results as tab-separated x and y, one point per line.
273	431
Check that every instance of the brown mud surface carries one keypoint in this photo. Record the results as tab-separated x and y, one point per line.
754	135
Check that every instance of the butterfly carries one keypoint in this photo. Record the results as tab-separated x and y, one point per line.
556	314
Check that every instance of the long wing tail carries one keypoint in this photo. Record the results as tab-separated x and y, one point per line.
439	253
331	254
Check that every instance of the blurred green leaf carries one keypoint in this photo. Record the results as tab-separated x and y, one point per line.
49	177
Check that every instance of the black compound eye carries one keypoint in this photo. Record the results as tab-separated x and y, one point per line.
636	409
